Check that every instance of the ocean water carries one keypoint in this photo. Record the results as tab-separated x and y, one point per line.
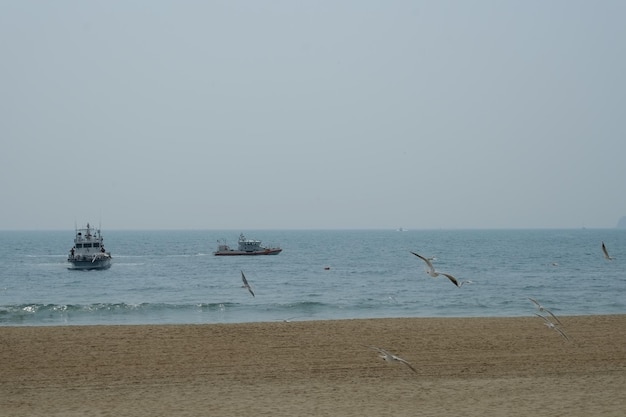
162	277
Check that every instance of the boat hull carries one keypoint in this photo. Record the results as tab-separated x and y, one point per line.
87	265
273	251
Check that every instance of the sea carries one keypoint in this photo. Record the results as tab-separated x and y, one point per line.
172	277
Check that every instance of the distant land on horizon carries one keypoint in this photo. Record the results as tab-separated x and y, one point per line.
621	224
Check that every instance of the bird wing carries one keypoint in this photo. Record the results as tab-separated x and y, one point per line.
451	278
245	283
548	322
379	350
535	301
561	332
552	314
405	362
388	356
430	265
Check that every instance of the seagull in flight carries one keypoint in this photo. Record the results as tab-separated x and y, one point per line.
551	325
431	271
390	357
606	253
542	308
245	283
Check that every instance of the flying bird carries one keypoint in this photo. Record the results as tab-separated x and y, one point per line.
606	253
390	357
431	271
551	325
542	308
245	283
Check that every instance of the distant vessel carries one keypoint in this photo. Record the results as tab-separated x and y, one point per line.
245	247
88	251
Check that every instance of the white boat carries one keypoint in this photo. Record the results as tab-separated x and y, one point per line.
245	247
88	251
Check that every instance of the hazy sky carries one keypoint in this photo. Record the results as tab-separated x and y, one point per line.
312	114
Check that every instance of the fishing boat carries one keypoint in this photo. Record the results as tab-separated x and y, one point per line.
245	247
88	251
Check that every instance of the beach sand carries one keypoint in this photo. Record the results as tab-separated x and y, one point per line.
465	367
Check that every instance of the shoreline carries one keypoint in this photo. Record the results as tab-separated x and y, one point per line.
464	366
301	319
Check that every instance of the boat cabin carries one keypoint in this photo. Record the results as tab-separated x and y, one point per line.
249	245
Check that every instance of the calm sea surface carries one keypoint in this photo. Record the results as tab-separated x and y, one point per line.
172	276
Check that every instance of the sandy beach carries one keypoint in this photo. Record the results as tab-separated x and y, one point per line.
465	366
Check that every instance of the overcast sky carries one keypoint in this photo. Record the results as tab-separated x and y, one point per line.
312	114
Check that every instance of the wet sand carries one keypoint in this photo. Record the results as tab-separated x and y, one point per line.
468	367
